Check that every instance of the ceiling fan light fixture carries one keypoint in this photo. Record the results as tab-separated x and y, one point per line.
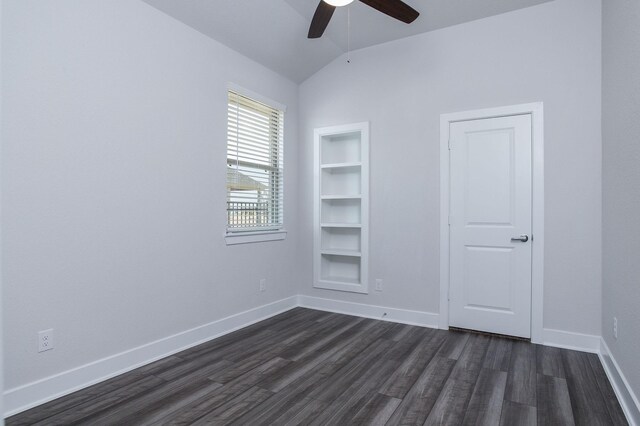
338	3
396	9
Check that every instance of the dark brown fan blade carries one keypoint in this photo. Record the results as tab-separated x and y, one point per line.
394	8
320	19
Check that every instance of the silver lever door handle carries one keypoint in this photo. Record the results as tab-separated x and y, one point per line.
522	238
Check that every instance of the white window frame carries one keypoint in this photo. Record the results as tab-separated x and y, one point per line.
242	237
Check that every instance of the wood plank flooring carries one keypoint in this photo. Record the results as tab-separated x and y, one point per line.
317	368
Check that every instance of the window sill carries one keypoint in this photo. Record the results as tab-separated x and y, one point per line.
254	237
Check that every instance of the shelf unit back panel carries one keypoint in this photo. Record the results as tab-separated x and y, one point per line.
341	181
340	268
341	211
340	239
343	148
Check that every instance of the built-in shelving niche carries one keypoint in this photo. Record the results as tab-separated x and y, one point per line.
341	218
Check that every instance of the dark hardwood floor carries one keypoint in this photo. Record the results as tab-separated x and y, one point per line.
319	368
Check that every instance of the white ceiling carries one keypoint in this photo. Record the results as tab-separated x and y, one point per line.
274	32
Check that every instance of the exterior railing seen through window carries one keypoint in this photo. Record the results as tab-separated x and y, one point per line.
247	215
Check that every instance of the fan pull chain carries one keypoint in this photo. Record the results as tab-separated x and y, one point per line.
348	34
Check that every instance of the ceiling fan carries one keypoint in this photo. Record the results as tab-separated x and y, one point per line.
395	8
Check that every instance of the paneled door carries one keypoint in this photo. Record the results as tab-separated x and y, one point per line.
490	225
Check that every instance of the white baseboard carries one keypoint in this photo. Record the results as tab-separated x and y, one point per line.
570	340
32	394
626	397
404	316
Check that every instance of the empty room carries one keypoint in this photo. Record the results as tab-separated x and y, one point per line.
319	212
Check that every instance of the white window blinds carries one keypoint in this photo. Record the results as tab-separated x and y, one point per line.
254	165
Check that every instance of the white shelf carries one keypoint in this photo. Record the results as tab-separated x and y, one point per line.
339	280
342	252
341	165
341	208
341	197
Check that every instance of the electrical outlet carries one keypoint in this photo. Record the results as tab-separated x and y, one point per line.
378	284
263	284
615	327
45	340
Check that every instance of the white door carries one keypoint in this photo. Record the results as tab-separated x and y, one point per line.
490	225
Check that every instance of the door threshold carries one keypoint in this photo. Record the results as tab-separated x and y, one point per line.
486	333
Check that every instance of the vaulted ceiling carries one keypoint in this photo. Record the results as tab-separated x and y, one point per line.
274	32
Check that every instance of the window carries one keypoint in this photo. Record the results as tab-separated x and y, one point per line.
254	165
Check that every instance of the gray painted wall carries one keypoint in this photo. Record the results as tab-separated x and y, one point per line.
1	309
113	182
549	53
621	183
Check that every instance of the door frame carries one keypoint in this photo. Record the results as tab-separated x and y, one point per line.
537	219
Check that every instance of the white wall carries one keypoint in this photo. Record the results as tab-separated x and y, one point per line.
1	308
621	183
549	53
113	182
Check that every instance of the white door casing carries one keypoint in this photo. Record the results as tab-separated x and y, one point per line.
490	205
447	122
